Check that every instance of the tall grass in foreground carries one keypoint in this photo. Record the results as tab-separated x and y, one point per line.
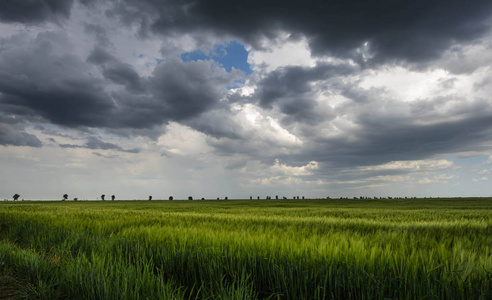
312	249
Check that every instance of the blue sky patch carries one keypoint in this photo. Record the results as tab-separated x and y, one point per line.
230	55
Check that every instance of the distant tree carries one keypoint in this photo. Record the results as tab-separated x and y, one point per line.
16	197
75	199
190	198
218	198
150	198
250	197
226	198
276	197
113	197
102	197
258	198
203	198
171	198
65	197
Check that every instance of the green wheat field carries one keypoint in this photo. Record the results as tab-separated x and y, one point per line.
251	249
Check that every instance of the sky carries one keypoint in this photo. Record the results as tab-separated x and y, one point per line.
245	98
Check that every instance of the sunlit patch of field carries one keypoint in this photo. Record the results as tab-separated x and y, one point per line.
287	249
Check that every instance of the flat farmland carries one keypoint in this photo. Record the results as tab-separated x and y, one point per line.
251	249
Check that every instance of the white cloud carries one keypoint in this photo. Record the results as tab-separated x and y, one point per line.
414	165
442	179
409	85
294	171
385	178
260	125
183	140
281	53
425	180
276	180
484	178
279	174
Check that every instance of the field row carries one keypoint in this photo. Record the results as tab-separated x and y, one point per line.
306	249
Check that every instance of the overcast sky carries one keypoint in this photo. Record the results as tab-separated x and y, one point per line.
245	98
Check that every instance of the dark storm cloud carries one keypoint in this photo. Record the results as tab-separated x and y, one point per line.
219	124
12	132
176	91
292	90
95	143
344	175
34	11
380	137
282	83
40	79
105	156
124	74
15	136
413	31
70	103
99	33
304	110
295	81
189	89
117	71
99	56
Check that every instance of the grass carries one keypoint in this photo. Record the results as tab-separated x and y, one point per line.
285	249
11	288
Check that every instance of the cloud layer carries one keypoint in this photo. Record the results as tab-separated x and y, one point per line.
334	93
